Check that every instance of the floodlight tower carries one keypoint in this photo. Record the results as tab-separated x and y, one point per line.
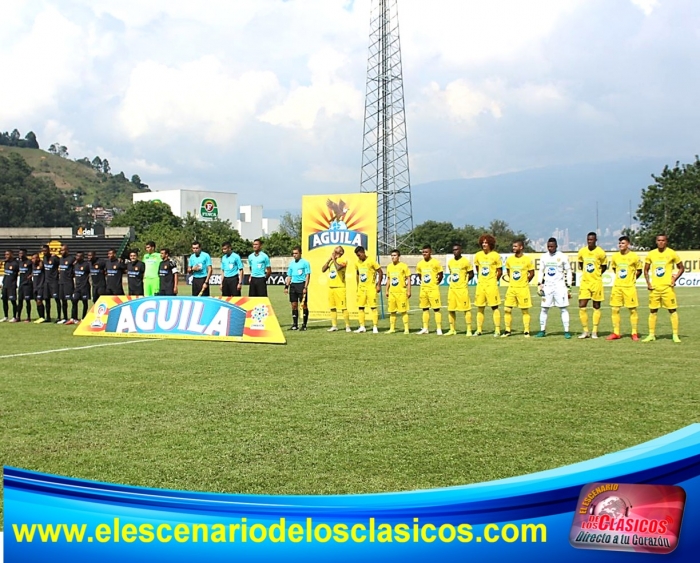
385	148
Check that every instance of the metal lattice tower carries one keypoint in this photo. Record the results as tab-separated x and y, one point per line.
385	149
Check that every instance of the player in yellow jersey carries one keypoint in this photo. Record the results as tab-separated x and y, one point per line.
592	263
458	295
367	288
658	272
430	272
337	299
520	270
398	291
489	269
627	268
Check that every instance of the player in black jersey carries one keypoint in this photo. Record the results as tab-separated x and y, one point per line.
51	264
114	272
38	284
135	270
65	283
26	291
9	288
81	275
167	272
98	281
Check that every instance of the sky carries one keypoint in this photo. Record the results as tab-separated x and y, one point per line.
266	97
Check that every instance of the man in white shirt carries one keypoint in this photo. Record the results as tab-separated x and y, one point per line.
554	280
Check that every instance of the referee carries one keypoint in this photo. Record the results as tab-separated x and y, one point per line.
232	268
260	270
199	266
296	284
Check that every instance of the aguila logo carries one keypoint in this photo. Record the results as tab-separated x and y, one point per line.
337	232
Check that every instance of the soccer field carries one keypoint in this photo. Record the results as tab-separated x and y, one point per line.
339	413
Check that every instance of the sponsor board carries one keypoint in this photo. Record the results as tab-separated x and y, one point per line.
234	319
209	209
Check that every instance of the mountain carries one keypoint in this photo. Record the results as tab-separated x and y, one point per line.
542	201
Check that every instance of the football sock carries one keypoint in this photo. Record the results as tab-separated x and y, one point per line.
48	308
544	311
375	317
361	317
616	319
74	310
58	308
526	320
596	319
29	309
452	315
405	321
634	320
508	317
468	320
346	318
583	315
19	307
295	317
334	317
306	316
674	322
6	307
479	319
14	309
652	323
40	309
497	320
438	320
565	318
64	305
426	318
392	321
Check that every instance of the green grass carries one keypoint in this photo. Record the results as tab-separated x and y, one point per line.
340	413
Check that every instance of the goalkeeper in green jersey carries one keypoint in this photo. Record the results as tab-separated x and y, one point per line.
152	260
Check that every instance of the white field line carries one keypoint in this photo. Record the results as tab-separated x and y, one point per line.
77	348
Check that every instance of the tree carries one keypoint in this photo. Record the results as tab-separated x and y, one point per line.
97	163
442	235
105	166
31	141
279	244
439	235
290	224
144	214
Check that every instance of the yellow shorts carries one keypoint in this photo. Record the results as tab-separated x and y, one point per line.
430	299
337	298
458	299
488	295
518	297
367	297
665	298
624	297
592	290
398	302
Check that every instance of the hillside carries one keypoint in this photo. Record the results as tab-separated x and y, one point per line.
86	185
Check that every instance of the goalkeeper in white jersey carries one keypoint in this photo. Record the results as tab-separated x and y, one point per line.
554	280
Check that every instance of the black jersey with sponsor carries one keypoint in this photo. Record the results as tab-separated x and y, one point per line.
166	272
81	271
65	270
114	271
97	273
38	277
51	264
11	273
134	277
25	272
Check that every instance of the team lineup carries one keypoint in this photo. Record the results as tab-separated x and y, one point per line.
69	281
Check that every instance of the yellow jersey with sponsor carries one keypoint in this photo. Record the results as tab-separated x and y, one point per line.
625	267
459	272
593	262
428	272
661	267
336	277
366	272
397	274
486	266
518	269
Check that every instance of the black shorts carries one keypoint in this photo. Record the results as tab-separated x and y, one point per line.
115	290
229	287
65	292
257	287
9	293
98	292
81	294
296	293
26	292
39	293
198	287
50	291
136	289
167	292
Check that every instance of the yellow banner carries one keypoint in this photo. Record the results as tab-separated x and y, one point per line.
328	221
233	319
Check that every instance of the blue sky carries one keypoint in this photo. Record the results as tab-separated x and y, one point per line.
265	97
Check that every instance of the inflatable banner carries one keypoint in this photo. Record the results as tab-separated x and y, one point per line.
234	319
328	221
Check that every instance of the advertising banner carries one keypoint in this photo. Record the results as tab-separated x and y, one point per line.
328	221
234	319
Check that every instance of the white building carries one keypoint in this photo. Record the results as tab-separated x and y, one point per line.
251	223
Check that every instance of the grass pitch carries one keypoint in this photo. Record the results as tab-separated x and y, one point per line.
340	413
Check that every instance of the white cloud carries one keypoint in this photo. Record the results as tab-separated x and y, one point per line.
141	166
462	102
646	6
331	174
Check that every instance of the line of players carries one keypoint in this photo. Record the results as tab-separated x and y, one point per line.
72	280
661	268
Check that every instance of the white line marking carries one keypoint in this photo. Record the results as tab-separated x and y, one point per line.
77	348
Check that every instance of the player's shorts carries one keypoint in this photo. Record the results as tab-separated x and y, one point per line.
229	286
367	297
198	289
257	287
557	296
151	286
624	297
65	292
458	299
430	298
98	292
38	293
296	293
50	290
518	297
487	295
81	294
9	293
26	292
592	290
337	298
665	298
398	302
